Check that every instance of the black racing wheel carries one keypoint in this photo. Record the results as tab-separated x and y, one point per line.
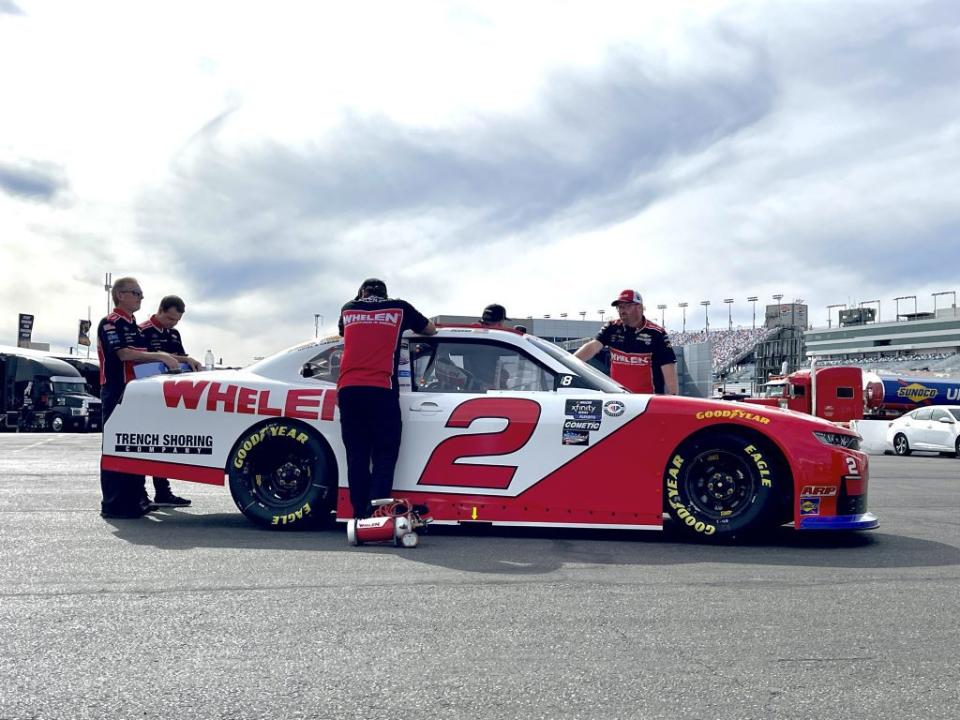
724	484
282	475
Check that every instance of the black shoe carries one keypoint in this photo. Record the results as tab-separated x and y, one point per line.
168	499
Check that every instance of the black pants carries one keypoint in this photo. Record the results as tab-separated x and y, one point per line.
121	491
370	427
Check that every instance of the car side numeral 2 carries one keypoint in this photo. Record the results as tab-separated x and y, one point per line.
442	468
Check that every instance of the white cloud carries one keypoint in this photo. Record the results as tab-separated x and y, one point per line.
262	159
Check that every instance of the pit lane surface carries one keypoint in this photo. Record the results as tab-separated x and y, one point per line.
196	613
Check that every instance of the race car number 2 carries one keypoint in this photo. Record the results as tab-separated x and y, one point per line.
443	469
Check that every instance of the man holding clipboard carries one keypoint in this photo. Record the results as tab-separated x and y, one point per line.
161	336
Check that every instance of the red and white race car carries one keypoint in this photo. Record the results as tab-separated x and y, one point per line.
498	427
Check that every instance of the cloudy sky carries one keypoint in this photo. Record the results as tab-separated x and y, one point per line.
260	159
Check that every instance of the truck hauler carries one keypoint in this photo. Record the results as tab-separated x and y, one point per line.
39	392
842	393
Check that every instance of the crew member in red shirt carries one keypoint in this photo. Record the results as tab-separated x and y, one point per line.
121	345
641	356
162	336
368	391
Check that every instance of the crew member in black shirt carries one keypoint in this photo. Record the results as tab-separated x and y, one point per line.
162	336
121	345
641	356
368	391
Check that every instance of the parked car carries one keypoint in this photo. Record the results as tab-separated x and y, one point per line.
932	429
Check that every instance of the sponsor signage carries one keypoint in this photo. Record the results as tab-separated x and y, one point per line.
83	334
26	330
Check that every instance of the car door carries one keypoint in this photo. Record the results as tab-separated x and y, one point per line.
941	430
480	417
918	429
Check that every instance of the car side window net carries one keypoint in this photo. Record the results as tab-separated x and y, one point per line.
325	366
475	367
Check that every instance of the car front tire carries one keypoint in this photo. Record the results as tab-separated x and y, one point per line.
901	446
719	485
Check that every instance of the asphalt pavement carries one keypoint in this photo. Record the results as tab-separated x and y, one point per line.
196	613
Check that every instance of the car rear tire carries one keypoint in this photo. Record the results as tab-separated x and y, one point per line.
721	485
282	475
956	448
901	446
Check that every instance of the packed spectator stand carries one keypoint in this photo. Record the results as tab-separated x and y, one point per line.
727	345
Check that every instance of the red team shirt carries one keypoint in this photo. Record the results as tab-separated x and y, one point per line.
637	355
371	330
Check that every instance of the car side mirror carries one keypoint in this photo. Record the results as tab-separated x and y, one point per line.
948	421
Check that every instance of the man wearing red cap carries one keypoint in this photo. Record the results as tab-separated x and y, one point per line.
641	356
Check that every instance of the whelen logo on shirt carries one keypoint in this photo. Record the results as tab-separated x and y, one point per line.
379	317
629	358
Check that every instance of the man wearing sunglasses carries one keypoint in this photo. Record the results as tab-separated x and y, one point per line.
120	346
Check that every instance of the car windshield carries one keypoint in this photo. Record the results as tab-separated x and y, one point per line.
77	387
955	412
773	390
590	375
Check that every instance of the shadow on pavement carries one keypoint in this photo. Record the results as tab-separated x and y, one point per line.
485	549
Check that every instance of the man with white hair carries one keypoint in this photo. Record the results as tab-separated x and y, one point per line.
121	345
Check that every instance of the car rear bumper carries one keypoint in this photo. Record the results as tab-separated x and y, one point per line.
863	521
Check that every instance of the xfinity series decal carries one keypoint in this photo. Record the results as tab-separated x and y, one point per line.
583	409
303	403
168	443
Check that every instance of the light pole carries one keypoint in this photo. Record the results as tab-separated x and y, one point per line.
108	286
661	308
753	299
600	313
317	320
906	297
583	315
683	305
729	302
778	297
831	307
706	315
870	302
945	292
